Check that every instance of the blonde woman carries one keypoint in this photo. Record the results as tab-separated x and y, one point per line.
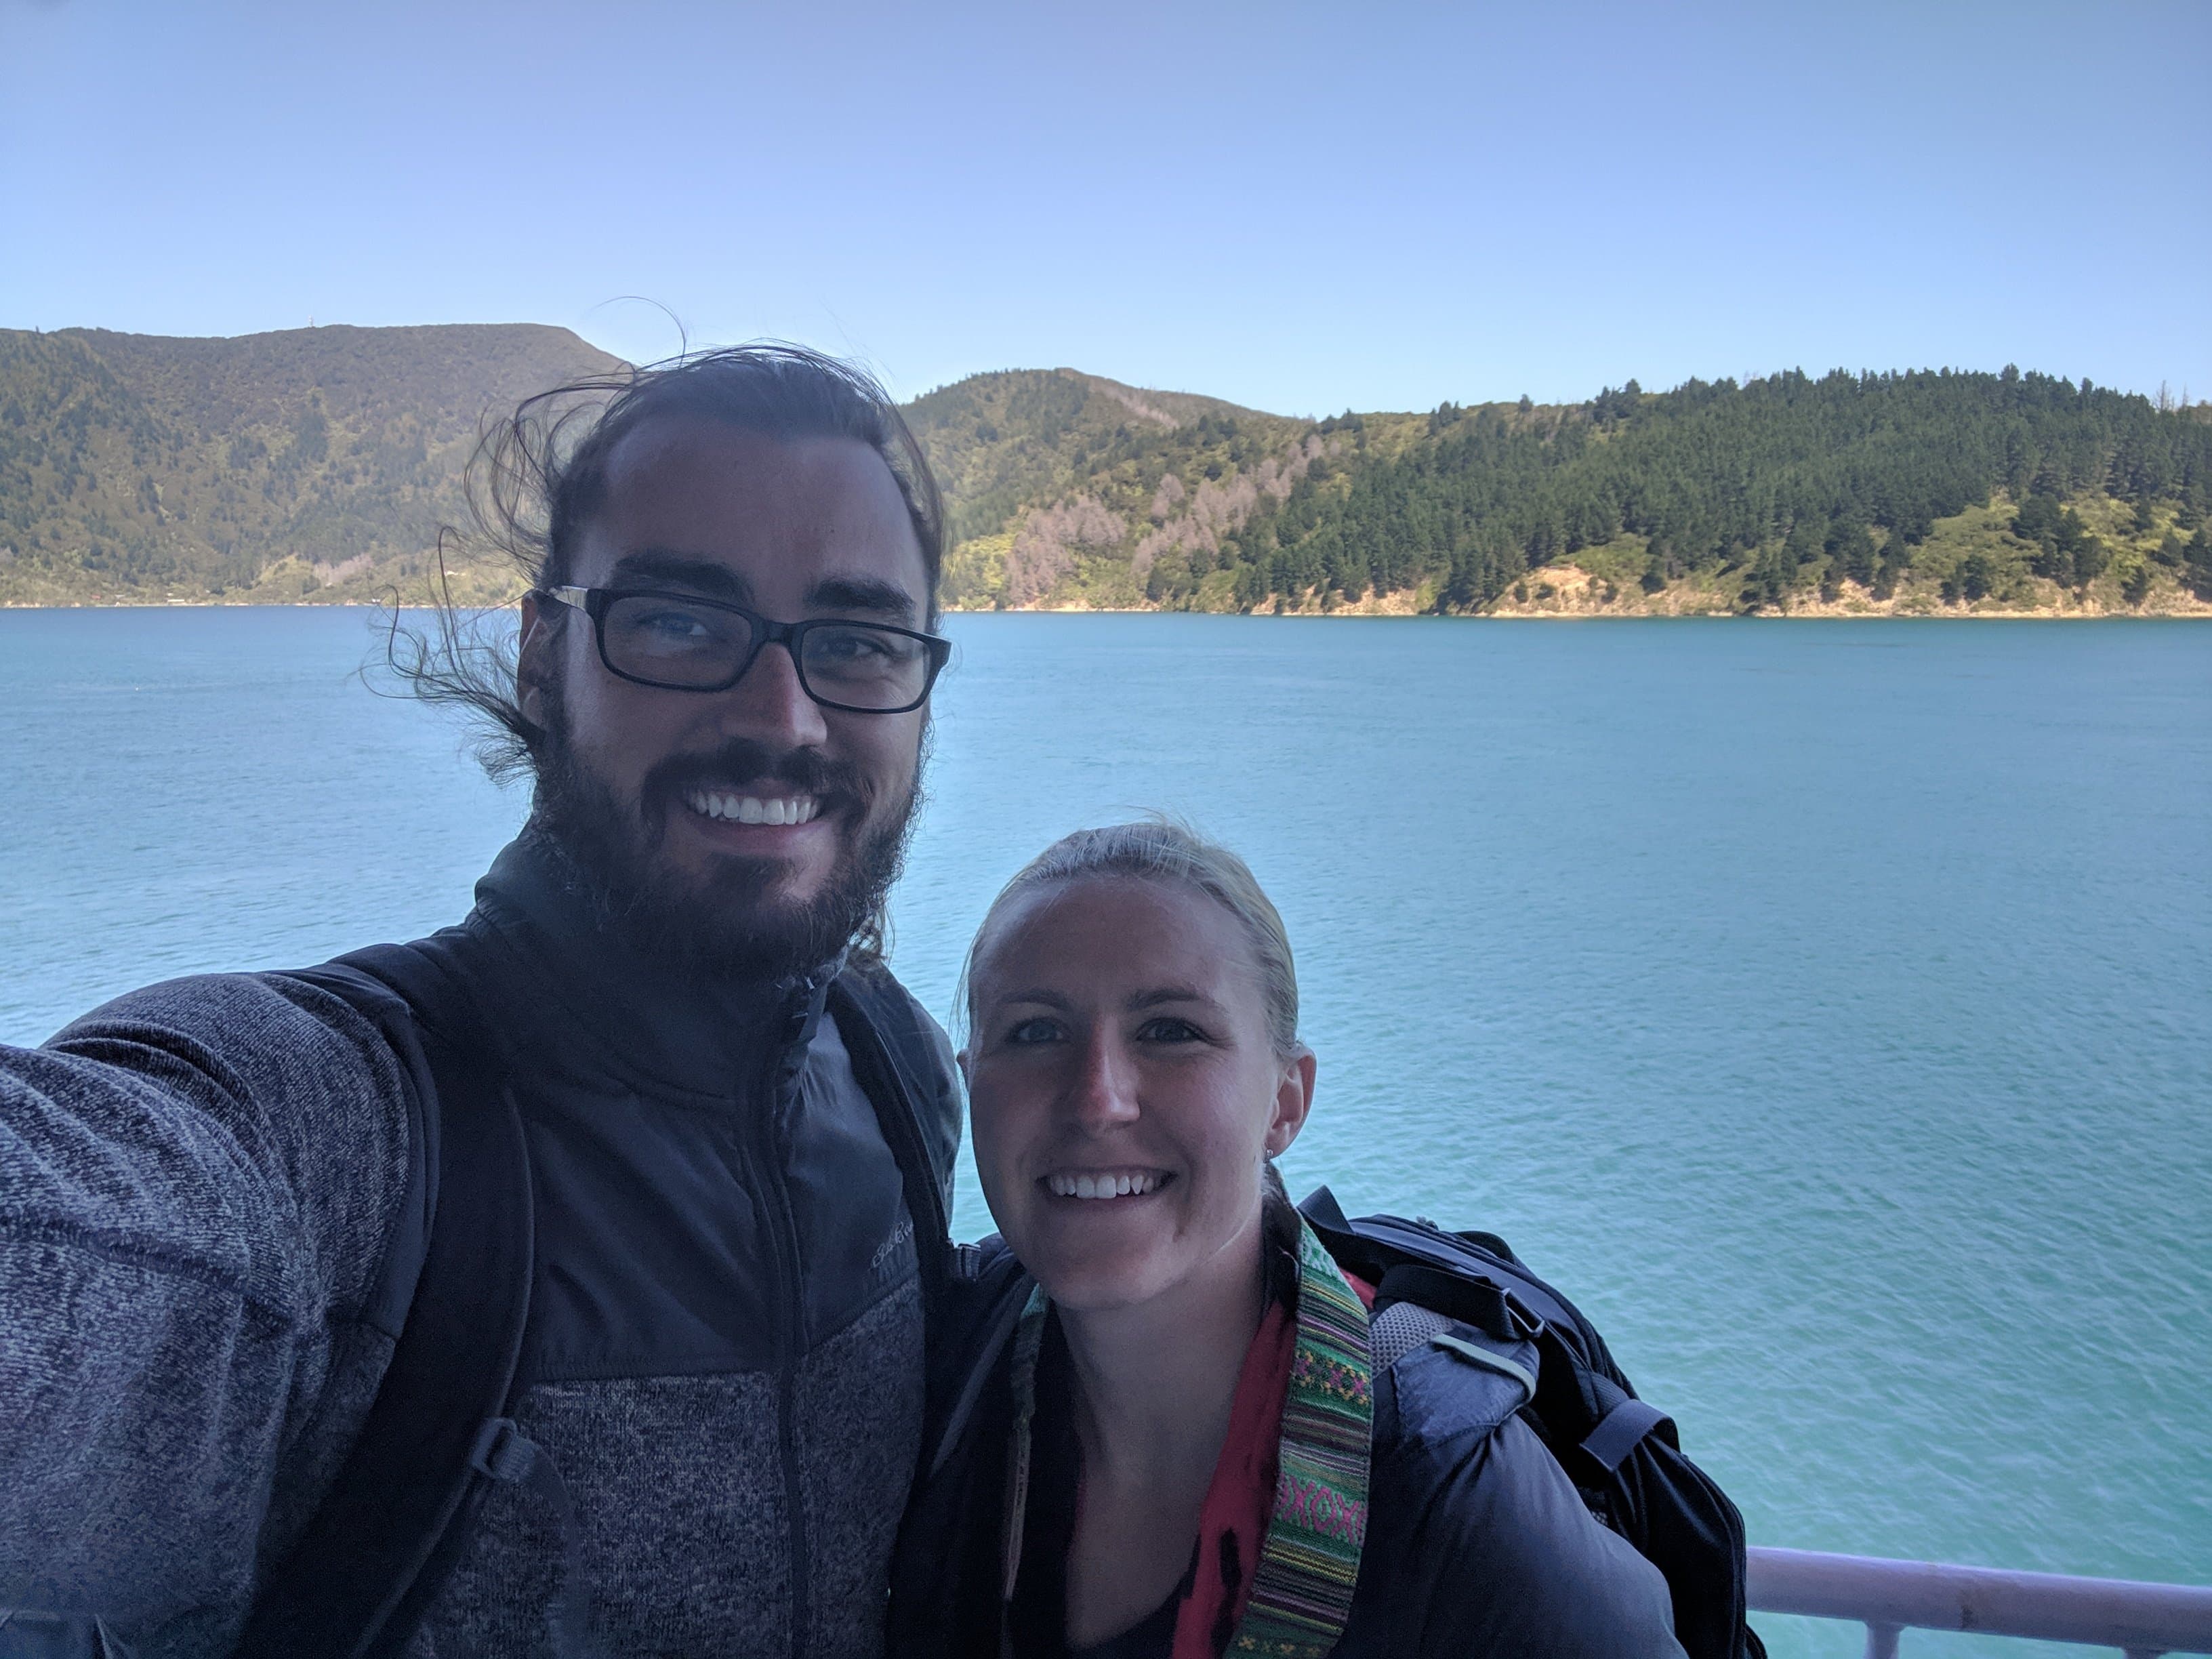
1162	1436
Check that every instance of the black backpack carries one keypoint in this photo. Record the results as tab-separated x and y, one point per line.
1621	1452
389	1532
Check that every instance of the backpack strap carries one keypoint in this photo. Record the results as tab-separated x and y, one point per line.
362	1575
1622	1429
1374	1244
898	1068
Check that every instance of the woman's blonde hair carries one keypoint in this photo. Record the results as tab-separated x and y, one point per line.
1163	850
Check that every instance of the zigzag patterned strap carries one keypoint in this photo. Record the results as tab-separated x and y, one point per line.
1308	1566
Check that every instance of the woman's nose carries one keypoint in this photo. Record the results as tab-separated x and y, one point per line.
1105	1085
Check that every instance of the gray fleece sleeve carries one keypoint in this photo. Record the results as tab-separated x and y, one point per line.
197	1182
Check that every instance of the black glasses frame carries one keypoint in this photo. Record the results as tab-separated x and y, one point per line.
594	602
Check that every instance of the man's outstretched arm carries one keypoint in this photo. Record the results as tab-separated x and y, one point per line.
197	1183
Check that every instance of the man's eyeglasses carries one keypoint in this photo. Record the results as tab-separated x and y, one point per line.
680	644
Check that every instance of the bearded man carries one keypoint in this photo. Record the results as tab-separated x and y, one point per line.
554	1285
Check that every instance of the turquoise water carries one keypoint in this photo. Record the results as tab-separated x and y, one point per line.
1827	1006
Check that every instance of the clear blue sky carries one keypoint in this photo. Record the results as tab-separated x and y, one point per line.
1301	208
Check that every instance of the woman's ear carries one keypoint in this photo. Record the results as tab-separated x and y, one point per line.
967	1071
1294	1091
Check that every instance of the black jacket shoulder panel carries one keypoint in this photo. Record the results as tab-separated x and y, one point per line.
1443	1402
1493	1551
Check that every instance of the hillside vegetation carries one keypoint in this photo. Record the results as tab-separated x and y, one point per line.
320	464
1916	492
314	462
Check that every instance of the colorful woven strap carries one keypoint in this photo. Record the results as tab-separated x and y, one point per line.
1309	1564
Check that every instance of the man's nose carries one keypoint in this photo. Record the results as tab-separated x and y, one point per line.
770	705
1105	1092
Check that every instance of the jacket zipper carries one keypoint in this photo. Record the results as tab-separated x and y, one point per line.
783	1238
903	1135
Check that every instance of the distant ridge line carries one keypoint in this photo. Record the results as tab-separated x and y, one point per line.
318	465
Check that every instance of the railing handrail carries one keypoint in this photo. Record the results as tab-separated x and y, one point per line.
2112	1612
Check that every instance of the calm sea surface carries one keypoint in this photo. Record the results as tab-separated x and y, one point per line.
1827	1006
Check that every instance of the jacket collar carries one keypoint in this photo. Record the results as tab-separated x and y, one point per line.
591	1002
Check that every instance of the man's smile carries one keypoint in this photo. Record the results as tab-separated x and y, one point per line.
743	808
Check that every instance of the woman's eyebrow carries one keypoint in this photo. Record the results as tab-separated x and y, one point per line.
1047	999
1154	998
1138	1000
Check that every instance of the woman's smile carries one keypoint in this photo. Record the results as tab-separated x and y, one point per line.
1093	1185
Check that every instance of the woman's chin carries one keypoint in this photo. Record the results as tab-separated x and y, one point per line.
1089	1281
1096	1257
1096	1294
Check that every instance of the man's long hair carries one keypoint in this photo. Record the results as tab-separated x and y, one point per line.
540	473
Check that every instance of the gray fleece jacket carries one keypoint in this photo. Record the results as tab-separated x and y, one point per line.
206	1194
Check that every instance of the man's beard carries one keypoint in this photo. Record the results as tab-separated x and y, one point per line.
726	926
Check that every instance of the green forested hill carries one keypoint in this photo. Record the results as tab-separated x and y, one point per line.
320	462
1061	484
1906	492
1002	441
270	467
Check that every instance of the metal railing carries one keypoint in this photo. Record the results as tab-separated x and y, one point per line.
1890	1597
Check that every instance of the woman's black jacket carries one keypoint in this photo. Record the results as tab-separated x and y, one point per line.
1476	1544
